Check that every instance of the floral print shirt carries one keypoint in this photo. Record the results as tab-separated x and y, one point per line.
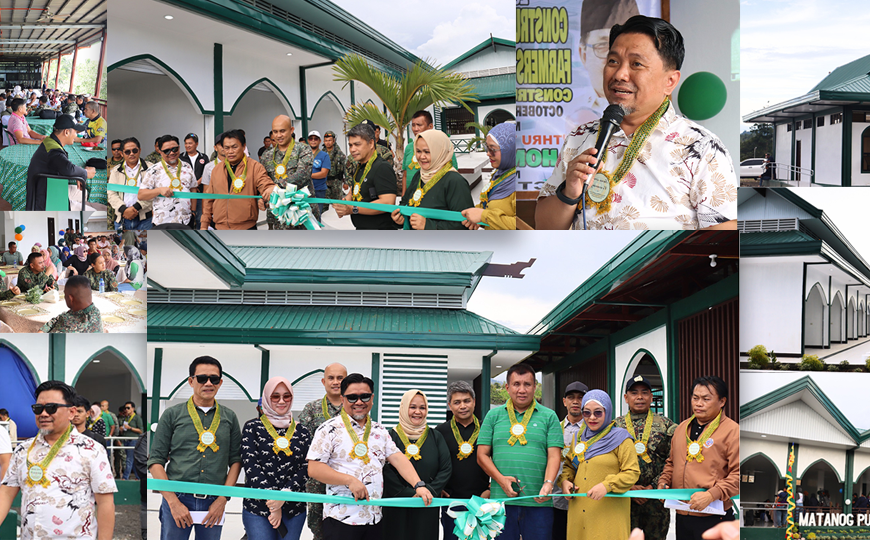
683	178
169	209
67	507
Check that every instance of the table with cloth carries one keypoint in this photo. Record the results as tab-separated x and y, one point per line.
43	127
122	312
14	161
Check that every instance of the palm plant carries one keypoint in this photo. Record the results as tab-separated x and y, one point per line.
417	88
477	140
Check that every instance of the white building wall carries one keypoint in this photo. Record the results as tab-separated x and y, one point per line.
34	347
627	358
775	450
487	59
771	282
862	463
81	347
254	114
805	135
320	80
809	454
35	228
858	179
829	153
240	71
783	148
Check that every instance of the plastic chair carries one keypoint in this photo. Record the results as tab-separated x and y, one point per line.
57	193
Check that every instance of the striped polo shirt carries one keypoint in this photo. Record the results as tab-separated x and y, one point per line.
528	462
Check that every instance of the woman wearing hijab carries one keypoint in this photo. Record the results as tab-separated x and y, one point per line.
274	448
498	198
54	255
431	459
79	262
436	185
50	268
600	460
95	421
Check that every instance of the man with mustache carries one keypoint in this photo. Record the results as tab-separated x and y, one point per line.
660	170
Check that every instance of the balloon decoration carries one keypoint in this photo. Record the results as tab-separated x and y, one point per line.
22	227
61	233
18	237
18	230
702	96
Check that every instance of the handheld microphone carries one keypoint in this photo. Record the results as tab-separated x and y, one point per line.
610	123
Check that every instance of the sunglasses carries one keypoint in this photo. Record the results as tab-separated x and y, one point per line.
173	150
597	414
214	379
50	408
353	398
116	149
128	408
135	151
491	150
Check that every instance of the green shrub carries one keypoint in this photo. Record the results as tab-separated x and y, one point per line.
811	362
758	357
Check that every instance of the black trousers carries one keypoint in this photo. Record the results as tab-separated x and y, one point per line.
692	527
560	524
336	530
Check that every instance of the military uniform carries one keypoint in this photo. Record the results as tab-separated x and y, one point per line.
5	294
299	167
652	516
311	418
109	282
385	153
85	321
336	173
70	108
153	157
28	279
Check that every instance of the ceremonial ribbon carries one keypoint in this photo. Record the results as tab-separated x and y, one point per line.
465	447
518	429
357	186
698	445
360	447
583	446
207	437
643	449
791	532
281	442
412	451
37	473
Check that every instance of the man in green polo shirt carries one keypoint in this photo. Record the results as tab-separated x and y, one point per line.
201	441
519	447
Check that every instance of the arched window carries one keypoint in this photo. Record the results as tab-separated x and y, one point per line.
865	151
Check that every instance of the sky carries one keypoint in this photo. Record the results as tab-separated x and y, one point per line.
564	260
789	46
847	208
439	31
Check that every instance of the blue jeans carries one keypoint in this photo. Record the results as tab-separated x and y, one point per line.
779	518
133	224
320	194
258	527
447	524
128	466
530	522
170	531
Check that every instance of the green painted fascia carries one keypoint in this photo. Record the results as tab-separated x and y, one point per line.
827	95
213	253
804	383
449	279
779	250
485	44
168	69
376	380
156	286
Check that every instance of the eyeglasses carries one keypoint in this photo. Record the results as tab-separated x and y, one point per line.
116	149
50	408
173	150
353	398
491	150
214	379
133	151
597	414
601	50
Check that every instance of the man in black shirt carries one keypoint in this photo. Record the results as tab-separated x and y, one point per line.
467	478
50	158
80	420
373	181
197	160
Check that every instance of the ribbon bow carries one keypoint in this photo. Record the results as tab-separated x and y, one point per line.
291	207
484	519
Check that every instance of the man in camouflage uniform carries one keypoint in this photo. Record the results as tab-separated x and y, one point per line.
82	317
154	157
315	413
297	170
380	147
70	106
43	104
34	275
98	271
336	173
648	514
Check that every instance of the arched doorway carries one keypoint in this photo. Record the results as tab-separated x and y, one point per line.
862	482
861	319
837	310
108	375
759	481
852	320
17	388
254	110
865	151
821	477
643	363
498	116
814	318
328	115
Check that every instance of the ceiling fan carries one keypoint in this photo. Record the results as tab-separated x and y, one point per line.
48	17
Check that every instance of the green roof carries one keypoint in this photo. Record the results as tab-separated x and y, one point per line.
495	86
480	47
768	238
847	75
331	326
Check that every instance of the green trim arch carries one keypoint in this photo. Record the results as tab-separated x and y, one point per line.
826	462
821	290
312	372
169	72
642	351
275	90
225	374
857	476
21	355
334	97
762	454
121	356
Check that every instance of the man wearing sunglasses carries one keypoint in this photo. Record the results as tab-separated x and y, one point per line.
653	447
62	466
161	181
117	154
520	448
131	429
201	442
348	454
130	211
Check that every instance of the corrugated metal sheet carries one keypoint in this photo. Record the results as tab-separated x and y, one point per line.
844	73
796	420
323	319
858	86
495	86
757	239
360	259
707	345
401	373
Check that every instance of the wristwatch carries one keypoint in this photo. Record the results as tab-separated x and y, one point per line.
355	210
419	484
560	194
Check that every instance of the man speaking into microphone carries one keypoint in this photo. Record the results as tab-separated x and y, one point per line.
660	170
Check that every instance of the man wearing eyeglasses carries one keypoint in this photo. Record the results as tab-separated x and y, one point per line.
348	454
571	425
160	182
61	474
130	212
420	122
131	429
653	446
201	442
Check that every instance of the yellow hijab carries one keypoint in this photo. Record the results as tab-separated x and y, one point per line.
413	432
441	150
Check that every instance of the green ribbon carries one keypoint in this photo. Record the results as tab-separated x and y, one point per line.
182	194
